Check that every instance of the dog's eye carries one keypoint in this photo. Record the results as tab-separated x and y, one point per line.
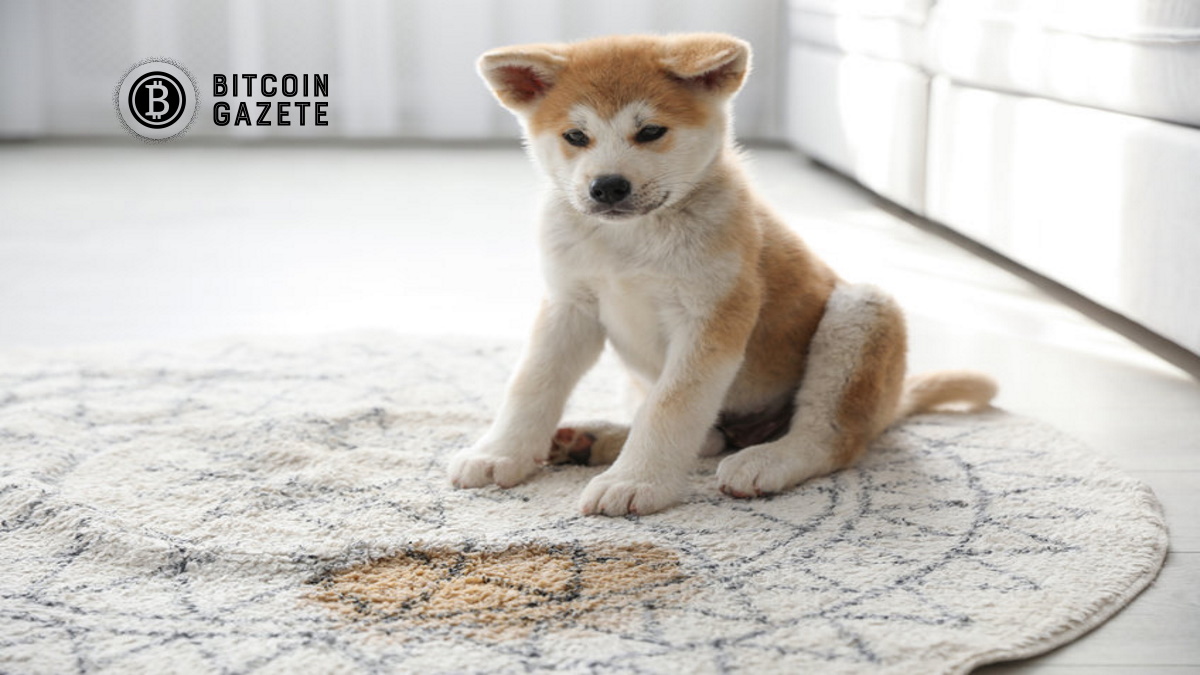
576	138
650	132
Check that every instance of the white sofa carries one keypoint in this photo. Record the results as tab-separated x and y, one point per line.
1064	134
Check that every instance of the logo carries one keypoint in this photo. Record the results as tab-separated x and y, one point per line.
156	100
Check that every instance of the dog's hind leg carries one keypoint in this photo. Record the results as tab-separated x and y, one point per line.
597	443
853	379
589	443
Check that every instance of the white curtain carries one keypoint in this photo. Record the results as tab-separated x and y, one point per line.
397	68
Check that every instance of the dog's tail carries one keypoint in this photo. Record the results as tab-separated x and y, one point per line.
962	388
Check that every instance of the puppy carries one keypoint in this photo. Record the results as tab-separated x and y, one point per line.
738	337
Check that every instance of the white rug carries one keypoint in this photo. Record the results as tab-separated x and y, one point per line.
282	507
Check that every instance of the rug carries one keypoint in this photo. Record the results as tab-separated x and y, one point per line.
281	506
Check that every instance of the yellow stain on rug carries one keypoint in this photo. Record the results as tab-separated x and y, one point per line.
506	593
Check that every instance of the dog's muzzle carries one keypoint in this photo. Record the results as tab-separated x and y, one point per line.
612	197
610	189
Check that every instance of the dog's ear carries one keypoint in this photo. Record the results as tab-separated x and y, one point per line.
710	62
520	76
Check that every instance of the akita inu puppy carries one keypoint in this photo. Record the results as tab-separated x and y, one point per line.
738	337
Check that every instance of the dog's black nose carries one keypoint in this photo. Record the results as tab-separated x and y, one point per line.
610	189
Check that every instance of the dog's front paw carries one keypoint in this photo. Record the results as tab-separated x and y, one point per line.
617	493
484	465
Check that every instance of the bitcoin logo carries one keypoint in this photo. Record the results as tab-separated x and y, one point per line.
155	104
156	100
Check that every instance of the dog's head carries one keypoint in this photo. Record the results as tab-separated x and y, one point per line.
623	126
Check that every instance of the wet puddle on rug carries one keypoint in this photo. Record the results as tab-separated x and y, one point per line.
506	593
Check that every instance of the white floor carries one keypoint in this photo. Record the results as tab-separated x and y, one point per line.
124	242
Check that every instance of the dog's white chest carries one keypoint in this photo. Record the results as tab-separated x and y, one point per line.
633	319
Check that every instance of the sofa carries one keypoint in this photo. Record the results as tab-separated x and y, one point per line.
1062	134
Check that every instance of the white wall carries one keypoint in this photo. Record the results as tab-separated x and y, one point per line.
397	68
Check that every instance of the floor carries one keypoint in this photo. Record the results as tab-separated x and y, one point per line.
123	242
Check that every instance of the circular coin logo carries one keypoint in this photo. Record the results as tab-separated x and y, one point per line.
157	99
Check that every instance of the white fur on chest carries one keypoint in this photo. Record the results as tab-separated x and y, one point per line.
636	320
645	280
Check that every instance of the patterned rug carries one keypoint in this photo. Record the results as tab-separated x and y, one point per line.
281	506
